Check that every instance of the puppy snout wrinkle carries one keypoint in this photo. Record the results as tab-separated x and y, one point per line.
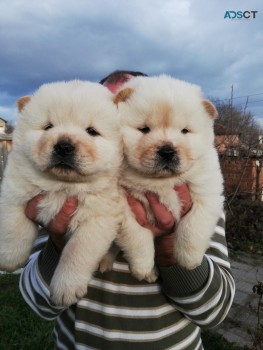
64	148
167	153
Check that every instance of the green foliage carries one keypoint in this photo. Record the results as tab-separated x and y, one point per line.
20	328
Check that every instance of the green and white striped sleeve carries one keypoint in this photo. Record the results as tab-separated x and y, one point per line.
33	287
204	295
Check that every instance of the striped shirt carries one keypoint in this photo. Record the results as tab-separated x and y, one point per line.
121	313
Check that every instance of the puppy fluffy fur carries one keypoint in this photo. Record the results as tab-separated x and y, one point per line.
168	137
66	143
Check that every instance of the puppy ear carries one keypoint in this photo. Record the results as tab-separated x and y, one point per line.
210	109
123	95
22	101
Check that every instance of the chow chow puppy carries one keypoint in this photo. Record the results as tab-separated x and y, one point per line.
66	143
167	130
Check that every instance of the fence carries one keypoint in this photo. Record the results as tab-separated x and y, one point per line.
5	147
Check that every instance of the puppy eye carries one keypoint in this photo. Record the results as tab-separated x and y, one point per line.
144	130
185	131
92	132
48	126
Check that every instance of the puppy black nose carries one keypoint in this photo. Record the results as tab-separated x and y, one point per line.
166	152
64	148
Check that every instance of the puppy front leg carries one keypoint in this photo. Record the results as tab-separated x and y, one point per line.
17	234
79	259
193	234
138	245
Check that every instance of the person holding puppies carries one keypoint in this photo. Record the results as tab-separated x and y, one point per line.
120	312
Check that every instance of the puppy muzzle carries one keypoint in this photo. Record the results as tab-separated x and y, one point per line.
63	154
167	158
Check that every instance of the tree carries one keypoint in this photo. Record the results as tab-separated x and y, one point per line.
239	142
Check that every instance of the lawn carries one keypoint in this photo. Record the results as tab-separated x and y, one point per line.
21	329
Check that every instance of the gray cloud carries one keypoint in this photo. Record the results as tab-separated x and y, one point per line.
191	40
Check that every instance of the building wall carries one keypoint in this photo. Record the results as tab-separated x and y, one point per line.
2	125
243	177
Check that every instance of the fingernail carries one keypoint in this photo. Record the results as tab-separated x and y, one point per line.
39	197
151	196
70	203
71	200
127	190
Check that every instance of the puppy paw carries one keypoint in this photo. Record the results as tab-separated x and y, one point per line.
11	260
67	288
150	275
11	267
16	240
106	263
66	294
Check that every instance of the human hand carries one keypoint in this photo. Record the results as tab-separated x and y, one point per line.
57	228
163	231
164	243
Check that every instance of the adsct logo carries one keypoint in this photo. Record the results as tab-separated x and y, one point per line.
240	14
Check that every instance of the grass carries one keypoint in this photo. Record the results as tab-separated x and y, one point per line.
21	329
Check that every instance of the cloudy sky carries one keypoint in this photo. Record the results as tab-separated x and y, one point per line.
86	39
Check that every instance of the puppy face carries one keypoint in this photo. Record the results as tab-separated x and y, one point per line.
166	125
69	130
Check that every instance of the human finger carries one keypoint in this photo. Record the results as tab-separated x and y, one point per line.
141	215
164	218
31	209
184	197
138	209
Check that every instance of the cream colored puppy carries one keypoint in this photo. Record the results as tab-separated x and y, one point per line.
66	143
168	137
